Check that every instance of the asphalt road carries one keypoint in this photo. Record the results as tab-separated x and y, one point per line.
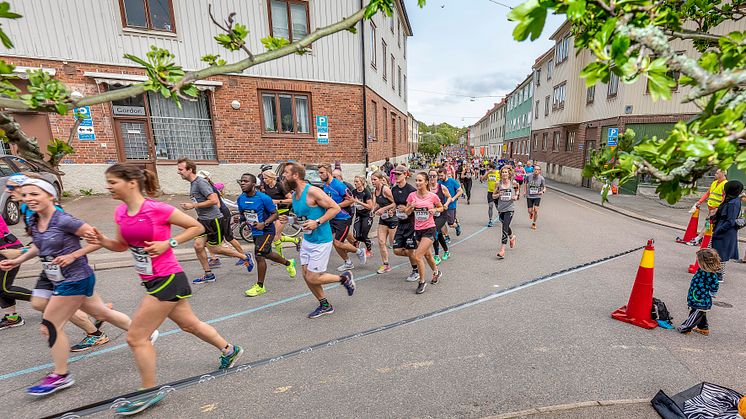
547	344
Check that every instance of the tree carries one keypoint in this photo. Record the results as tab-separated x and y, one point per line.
165	76
429	147
631	39
448	134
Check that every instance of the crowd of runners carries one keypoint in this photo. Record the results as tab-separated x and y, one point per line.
415	212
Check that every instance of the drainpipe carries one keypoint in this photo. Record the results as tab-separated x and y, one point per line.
365	96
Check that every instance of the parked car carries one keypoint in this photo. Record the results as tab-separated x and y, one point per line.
13	164
312	174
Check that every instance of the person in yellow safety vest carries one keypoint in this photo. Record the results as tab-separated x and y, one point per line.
492	176
713	197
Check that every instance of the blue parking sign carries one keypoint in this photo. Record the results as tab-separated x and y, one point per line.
612	137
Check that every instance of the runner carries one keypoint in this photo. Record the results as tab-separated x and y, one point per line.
507	191
213	260
363	203
257	210
283	200
404	239
144	228
315	209
342	222
44	287
440	217
9	293
520	173
455	189
387	222
466	174
424	204
56	237
206	201
492	175
535	188
713	197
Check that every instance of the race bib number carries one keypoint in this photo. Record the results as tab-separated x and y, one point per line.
533	190
492	178
52	271
401	214
421	214
506	194
143	262
358	207
251	217
385	215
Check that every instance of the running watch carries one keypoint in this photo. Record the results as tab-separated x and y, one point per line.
172	242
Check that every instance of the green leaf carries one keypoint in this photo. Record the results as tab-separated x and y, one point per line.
575	9
271	43
604	35
136	59
352	29
620	45
595	72
531	17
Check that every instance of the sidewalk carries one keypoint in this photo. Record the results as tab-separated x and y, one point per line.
644	206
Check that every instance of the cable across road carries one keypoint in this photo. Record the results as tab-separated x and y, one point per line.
115	402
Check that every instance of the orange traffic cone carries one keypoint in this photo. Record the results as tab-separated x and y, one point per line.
705	244
637	310
691	229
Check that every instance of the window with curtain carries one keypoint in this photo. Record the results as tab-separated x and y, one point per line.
148	14
286	113
185	132
289	19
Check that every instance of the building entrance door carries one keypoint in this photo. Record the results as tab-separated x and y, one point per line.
136	144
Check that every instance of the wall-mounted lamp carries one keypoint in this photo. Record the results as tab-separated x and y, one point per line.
76	95
236	104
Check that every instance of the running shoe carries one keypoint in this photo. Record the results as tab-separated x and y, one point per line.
383	269
512	241
7	322
345	266
448	239
89	342
413	277
362	256
368	253
437	259
291	268
701	331
277	246
458	229
446	255
695	241
490	223
501	254
248	263
320	311
255	290
207	277
421	287
348	282
533	226
436	277
138	406
214	263
227	361
50	384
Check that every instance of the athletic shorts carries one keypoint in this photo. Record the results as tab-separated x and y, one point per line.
83	287
428	233
43	288
391	222
340	228
533	202
315	256
520	182
490	199
451	216
263	244
215	229
440	222
404	237
174	287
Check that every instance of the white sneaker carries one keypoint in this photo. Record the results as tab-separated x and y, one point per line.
154	337
413	277
345	266
362	256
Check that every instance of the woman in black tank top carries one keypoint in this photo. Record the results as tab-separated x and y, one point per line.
387	223
440	220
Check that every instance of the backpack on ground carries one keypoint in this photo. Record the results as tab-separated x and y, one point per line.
659	311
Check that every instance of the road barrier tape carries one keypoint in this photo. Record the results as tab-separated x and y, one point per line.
115	402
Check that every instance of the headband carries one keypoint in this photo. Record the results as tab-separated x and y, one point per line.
18	178
43	185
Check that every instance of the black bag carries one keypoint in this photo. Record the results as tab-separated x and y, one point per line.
659	311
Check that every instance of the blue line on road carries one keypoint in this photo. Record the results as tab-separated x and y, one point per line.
213	321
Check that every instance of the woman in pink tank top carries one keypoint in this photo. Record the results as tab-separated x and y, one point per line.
424	204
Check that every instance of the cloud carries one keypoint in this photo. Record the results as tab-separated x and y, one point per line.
494	83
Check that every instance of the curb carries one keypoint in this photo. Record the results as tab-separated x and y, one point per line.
566	407
626	213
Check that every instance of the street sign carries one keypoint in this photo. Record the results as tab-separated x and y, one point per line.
322	129
612	137
86	133
85	129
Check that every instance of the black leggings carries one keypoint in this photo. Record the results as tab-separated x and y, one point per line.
466	183
440	238
361	229
505	219
10	293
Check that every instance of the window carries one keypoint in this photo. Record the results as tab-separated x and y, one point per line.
185	132
556	141
570	144
385	125
536	110
536	141
398	33
391	23
393	67
384	48
157	15
286	113
537	77
544	141
373	51
550	68
405	46
561	49
398	78
590	95
613	87
405	87
289	19
546	106
373	124
559	96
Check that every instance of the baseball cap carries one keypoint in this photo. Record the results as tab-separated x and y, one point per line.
400	169
203	173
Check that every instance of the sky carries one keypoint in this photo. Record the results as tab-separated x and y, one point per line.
466	47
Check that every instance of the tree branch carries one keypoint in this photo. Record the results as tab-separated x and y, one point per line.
74	130
229	28
687	34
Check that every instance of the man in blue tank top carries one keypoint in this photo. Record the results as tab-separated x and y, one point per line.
314	210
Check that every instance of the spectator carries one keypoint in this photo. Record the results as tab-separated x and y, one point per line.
725	232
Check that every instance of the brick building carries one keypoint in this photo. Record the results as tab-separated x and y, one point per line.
269	113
